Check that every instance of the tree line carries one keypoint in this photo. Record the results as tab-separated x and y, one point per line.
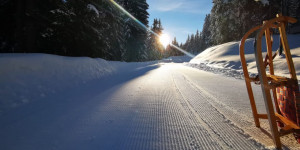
229	20
98	28
93	28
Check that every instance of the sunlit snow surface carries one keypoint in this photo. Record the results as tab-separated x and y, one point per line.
65	103
225	59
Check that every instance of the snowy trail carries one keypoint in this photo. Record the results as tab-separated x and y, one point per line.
160	106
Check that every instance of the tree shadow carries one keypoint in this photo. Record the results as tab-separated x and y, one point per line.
75	95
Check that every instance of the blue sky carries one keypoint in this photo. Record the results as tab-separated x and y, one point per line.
179	17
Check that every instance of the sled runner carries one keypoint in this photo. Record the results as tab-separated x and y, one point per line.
285	91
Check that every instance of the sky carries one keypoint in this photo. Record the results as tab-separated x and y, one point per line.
179	17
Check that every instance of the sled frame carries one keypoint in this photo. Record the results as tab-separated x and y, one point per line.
264	79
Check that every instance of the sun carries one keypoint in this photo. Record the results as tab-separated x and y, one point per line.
164	39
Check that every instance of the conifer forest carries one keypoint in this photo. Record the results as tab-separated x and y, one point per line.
98	29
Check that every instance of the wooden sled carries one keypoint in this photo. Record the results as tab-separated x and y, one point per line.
285	91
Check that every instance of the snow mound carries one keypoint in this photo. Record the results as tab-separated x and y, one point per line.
225	59
28	77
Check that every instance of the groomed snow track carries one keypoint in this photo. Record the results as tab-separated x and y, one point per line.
159	106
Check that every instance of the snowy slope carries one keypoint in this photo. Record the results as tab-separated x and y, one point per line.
55	102
29	77
25	78
225	58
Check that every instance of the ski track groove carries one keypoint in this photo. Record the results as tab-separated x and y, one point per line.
162	110
244	120
166	124
216	121
192	115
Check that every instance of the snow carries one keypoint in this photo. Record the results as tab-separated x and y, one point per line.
225	59
57	102
93	8
177	59
265	2
25	78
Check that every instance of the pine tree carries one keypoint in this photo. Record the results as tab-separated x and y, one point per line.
10	39
22	24
293	8
206	34
155	48
94	28
186	44
294	11
78	31
174	51
197	44
136	36
191	45
229	20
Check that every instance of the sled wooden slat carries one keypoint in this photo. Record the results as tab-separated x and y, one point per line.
263	116
287	121
271	68
246	74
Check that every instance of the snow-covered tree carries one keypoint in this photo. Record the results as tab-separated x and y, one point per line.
135	35
205	34
229	20
193	43
293	7
94	28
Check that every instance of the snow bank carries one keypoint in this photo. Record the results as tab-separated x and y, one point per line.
28	77
224	58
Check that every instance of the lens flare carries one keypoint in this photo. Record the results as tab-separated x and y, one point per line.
146	28
164	39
